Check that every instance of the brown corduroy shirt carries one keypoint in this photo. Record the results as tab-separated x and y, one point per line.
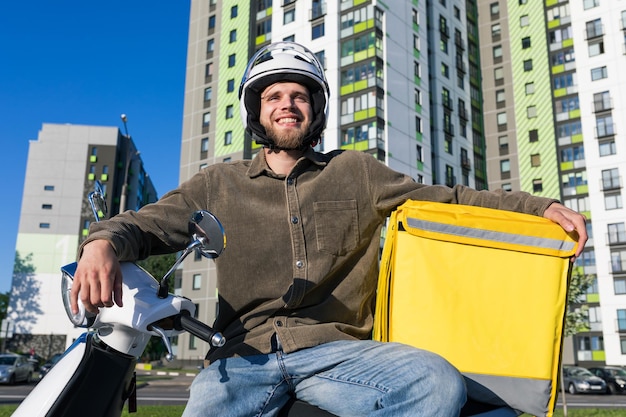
303	249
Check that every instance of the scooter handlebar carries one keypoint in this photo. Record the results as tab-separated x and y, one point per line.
184	321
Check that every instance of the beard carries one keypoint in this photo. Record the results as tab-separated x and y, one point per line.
290	138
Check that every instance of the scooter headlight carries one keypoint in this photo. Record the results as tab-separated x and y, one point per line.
83	318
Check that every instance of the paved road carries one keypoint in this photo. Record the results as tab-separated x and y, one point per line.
167	388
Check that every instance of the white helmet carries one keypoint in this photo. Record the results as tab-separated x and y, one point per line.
283	61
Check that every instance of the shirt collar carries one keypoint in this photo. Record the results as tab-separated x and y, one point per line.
259	165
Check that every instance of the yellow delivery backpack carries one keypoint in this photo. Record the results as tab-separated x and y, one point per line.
486	289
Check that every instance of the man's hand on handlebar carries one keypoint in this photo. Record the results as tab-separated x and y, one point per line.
98	278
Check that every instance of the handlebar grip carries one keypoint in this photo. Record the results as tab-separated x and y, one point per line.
184	321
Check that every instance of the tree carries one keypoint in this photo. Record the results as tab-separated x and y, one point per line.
24	298
4	304
576	316
157	266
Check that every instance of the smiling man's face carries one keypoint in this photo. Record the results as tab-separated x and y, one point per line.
286	113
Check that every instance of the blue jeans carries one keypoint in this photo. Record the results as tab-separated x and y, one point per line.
346	378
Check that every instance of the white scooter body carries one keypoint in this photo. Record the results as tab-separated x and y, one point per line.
120	334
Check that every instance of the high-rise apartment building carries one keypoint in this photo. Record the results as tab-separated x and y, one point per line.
405	87
63	165
552	87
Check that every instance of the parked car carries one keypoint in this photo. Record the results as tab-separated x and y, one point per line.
614	377
15	368
45	368
577	379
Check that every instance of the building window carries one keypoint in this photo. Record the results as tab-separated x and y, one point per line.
445	70
596	48
44	225
208	70
497	52
496	31
417	69
530	88
230	85
598	73
619	287
607	147
610	179
264	27
498	75
524	21
528	65
503	142
594	29
193	345
234	11
229	112
535	160
197	282
501	118
228	138
416	42
289	15
210	46
505	166
204	148
616	233
494	8
231	60
621	320
537	185
613	201
500	97
208	93
531	112
588	4
206	119
48	187
317	31
232	36
605	126
46	206
419	153
526	42
211	22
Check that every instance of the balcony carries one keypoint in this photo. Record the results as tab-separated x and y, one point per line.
616	238
610	184
594	31
602	105
318	10
606	130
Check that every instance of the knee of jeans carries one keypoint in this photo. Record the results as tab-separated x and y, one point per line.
447	380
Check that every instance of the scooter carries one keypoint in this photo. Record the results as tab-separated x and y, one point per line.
96	375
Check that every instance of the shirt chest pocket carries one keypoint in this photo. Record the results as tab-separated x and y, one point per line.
336	226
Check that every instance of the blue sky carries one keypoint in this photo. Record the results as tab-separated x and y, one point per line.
82	62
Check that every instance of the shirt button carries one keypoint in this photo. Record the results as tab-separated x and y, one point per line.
299	264
289	181
279	323
294	220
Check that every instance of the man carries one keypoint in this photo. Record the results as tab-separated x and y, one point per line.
298	280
